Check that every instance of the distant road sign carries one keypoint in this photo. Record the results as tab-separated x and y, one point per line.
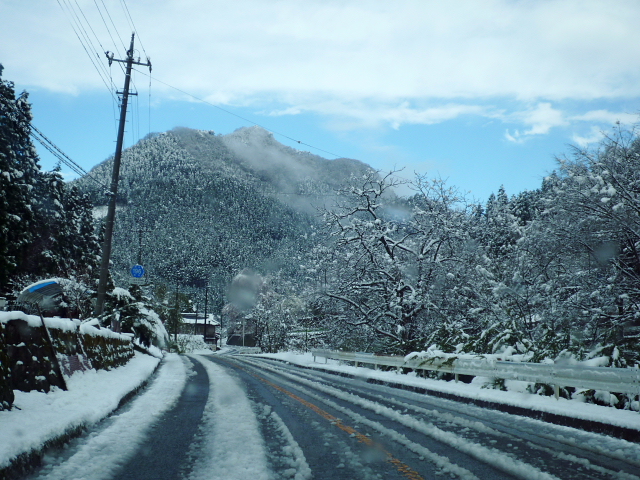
137	281
137	271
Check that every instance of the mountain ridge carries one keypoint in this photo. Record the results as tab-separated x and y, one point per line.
211	205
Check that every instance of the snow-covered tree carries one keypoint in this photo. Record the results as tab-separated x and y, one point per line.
134	313
595	212
46	227
397	262
18	178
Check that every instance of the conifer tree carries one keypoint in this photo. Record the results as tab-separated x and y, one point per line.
18	176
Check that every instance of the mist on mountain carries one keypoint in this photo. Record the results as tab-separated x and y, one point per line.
196	207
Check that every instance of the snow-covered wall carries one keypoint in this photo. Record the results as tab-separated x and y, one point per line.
32	358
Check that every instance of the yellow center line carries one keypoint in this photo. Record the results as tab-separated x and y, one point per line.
402	467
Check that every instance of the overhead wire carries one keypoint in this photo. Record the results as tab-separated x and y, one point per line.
60	155
90	48
102	49
133	26
114	26
84	46
106	26
105	22
47	143
137	105
240	116
149	107
63	157
81	26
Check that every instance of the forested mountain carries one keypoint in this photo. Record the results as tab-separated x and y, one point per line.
299	247
211	205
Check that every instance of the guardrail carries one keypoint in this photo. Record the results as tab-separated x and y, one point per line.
609	379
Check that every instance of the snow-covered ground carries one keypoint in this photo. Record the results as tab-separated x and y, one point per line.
516	396
124	432
241	455
92	395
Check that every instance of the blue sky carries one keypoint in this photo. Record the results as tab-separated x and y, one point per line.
480	93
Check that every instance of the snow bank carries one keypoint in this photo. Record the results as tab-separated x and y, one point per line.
575	408
43	417
186	343
64	324
123	434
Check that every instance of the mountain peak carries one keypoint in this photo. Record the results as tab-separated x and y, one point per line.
252	135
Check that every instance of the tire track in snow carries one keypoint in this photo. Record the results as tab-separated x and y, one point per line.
232	446
343	461
291	453
583	455
443	463
478	426
492	457
99	457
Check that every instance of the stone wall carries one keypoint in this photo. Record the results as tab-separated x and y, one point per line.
35	358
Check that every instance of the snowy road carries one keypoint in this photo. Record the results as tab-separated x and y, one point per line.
241	417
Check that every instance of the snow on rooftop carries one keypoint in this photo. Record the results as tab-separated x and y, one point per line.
191	318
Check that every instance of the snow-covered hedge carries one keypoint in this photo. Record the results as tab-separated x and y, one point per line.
185	343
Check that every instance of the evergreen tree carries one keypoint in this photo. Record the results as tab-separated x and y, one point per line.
46	227
18	178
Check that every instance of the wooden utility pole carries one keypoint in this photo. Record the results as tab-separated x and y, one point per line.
113	193
206	301
140	232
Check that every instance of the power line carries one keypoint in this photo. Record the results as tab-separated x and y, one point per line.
105	71
83	35
105	23
63	157
70	18
241	117
133	26
114	26
47	143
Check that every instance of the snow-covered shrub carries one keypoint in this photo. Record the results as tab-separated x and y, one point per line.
134	315
185	343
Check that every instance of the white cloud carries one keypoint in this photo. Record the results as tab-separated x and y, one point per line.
539	120
607	117
515	138
365	113
366	49
405	114
542	118
361	64
594	136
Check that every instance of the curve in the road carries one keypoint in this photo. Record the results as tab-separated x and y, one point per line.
522	444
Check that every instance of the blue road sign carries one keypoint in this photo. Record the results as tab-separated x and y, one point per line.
137	271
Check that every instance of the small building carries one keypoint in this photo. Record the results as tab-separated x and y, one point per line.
194	323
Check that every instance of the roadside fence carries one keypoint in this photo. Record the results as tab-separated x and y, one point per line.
609	379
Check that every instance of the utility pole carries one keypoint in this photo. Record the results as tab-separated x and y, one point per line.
113	193
176	326
140	232
206	301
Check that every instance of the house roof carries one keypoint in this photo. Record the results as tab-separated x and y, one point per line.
190	317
